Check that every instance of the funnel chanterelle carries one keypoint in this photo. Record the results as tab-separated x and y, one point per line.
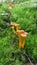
19	32
24	35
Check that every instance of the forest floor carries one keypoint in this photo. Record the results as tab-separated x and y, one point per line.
29	64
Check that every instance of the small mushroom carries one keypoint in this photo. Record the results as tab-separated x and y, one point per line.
23	36
19	32
11	5
15	26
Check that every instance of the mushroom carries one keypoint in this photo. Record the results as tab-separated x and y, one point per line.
11	5
15	26
23	37
19	32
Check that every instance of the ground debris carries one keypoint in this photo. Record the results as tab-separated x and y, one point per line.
29	64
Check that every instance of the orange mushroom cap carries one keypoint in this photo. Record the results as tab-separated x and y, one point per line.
19	31
16	24
13	23
23	35
11	5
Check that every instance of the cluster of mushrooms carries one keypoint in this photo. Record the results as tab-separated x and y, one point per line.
21	34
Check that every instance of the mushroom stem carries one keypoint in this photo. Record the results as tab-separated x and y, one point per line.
23	43
13	29
13	26
23	36
17	28
20	42
19	32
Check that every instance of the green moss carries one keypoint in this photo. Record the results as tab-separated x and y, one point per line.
27	18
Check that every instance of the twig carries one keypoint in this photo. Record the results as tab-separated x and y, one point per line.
27	58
